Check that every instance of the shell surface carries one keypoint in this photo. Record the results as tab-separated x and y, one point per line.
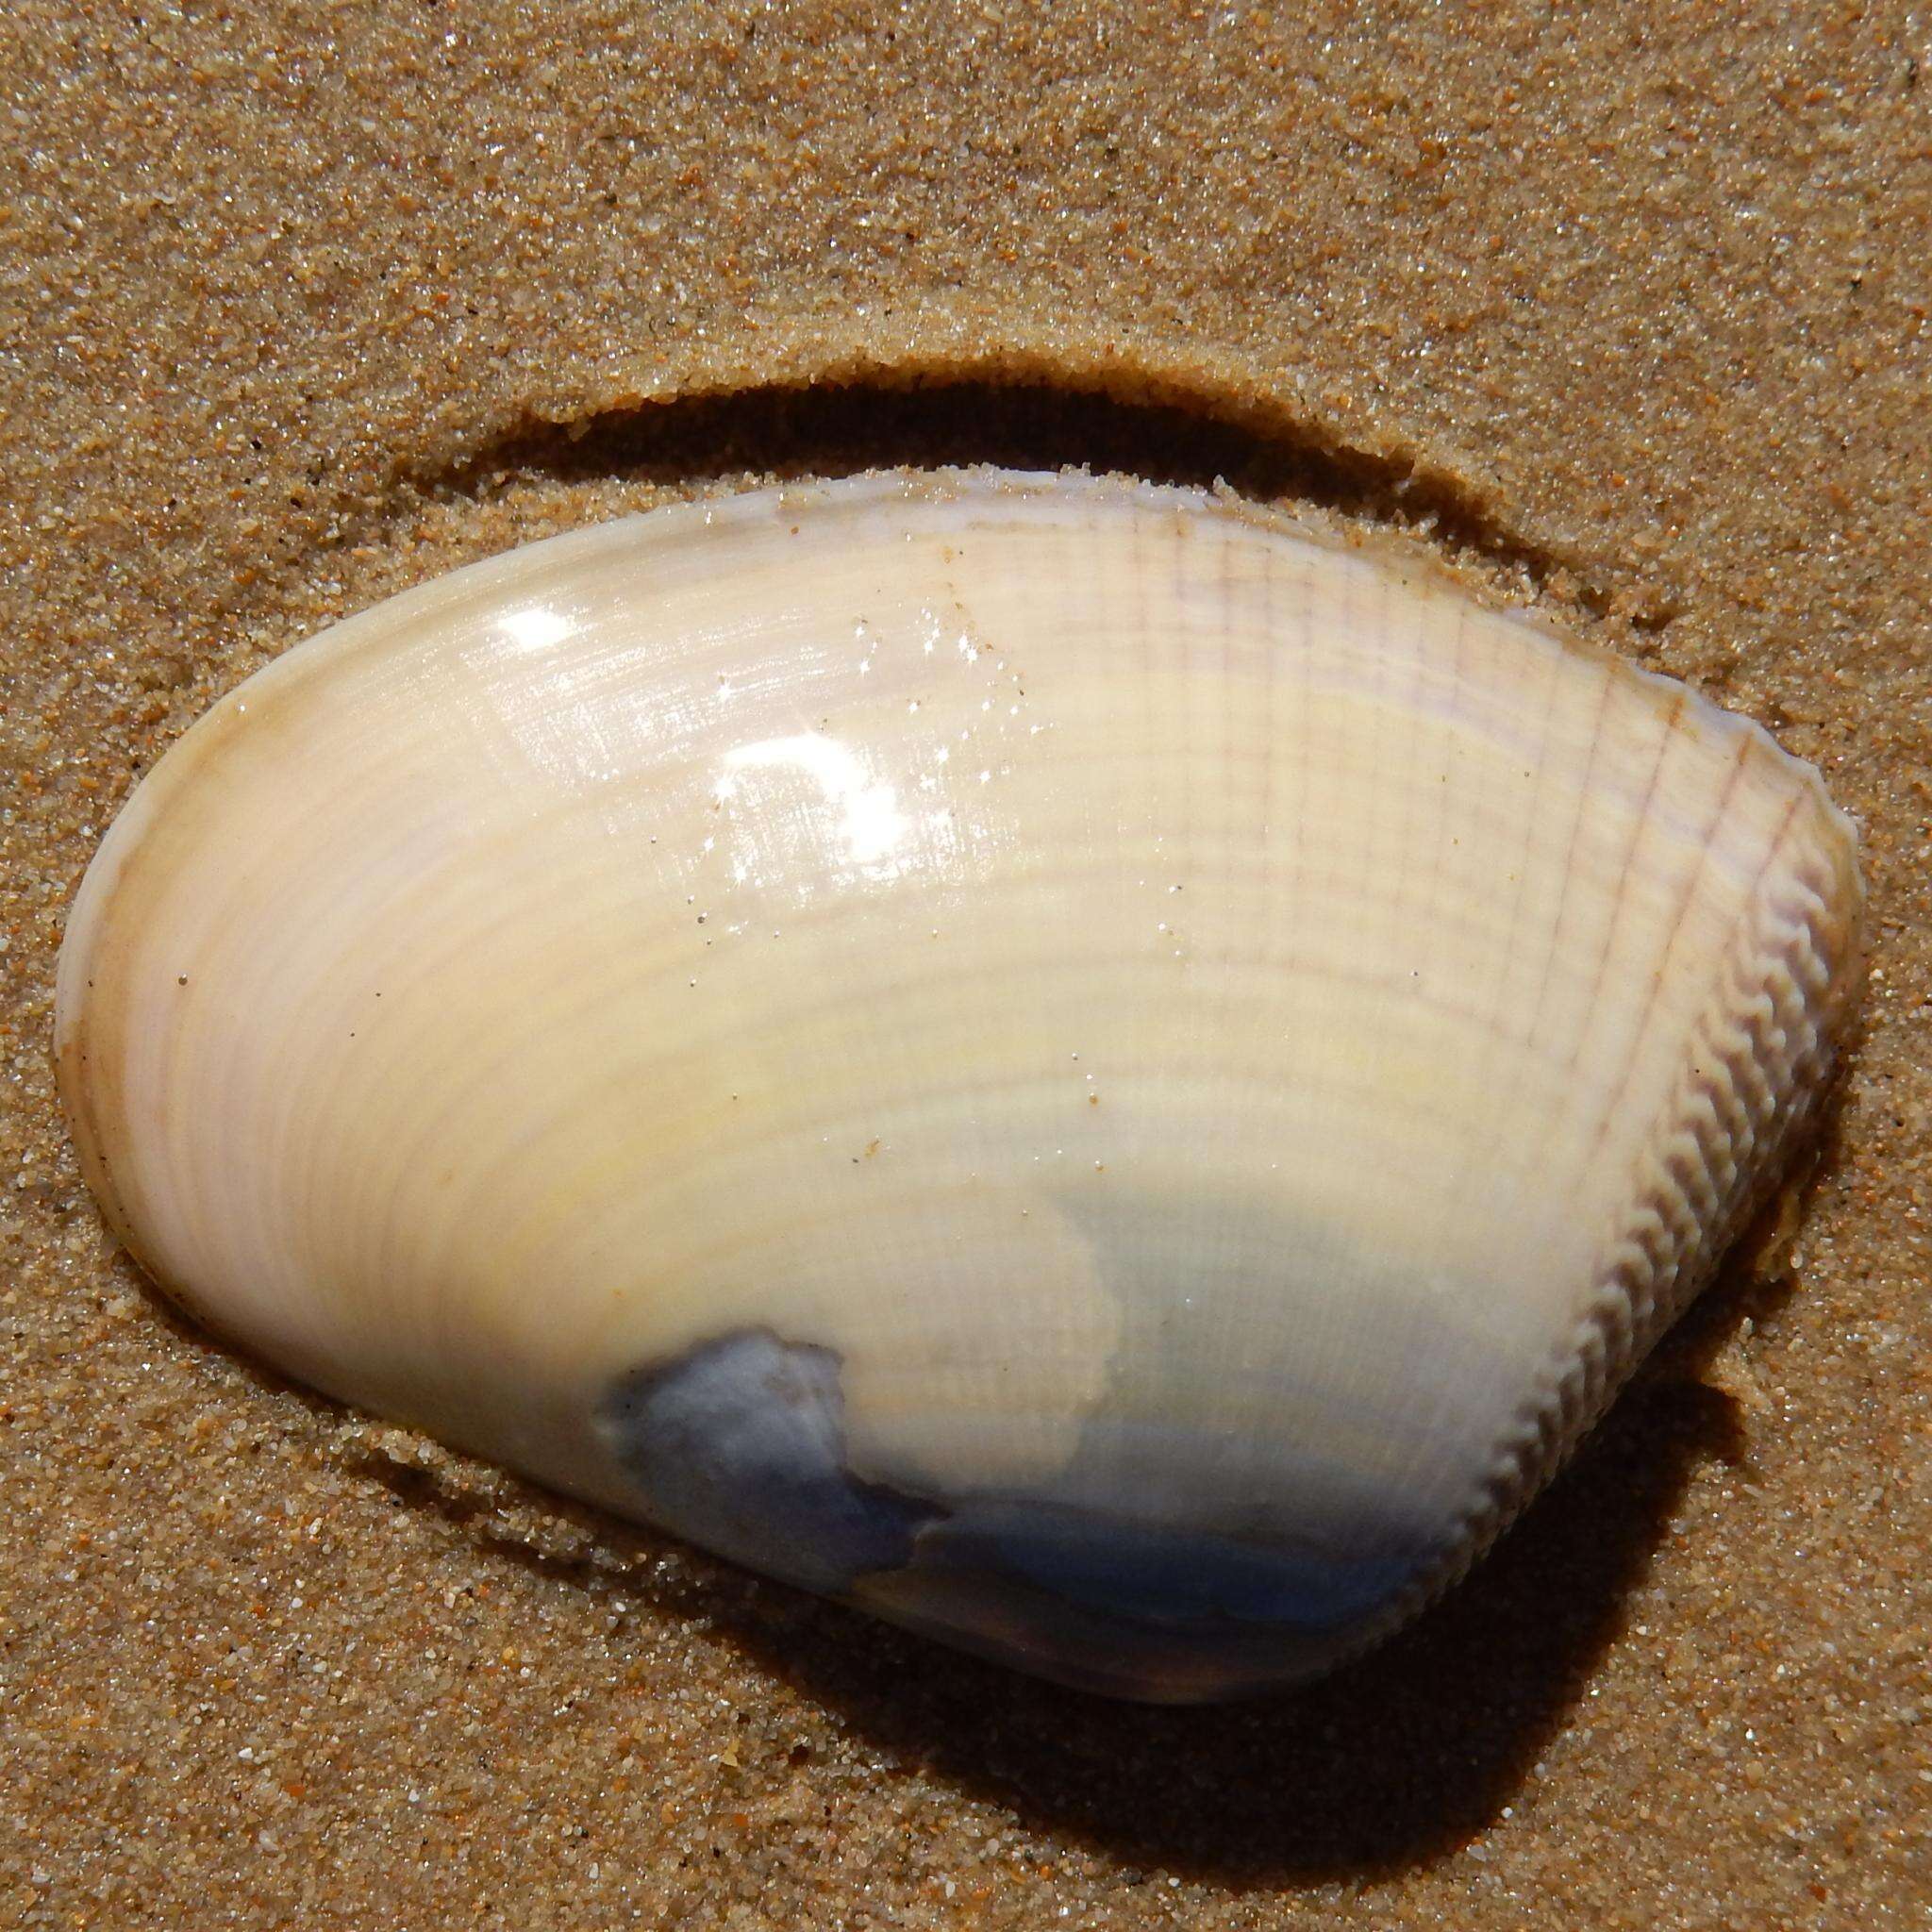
1094	1072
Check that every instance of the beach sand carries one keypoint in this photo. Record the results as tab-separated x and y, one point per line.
1624	310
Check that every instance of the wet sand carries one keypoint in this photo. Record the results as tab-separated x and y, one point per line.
1628	317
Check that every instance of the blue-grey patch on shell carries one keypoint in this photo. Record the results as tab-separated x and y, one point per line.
1301	1455
1102	1602
738	1445
1159	1575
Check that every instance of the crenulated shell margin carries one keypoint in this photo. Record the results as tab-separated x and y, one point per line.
1767	1052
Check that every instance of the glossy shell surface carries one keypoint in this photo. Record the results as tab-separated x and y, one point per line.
1104	1076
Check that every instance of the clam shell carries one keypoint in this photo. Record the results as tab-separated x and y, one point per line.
1099	1074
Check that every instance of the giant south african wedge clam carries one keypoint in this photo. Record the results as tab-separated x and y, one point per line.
1094	1072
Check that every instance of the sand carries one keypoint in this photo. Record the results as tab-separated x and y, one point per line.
1625	312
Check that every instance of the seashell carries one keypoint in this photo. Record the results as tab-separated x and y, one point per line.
1096	1073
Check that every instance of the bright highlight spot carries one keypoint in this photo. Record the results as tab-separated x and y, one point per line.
536	628
871	824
